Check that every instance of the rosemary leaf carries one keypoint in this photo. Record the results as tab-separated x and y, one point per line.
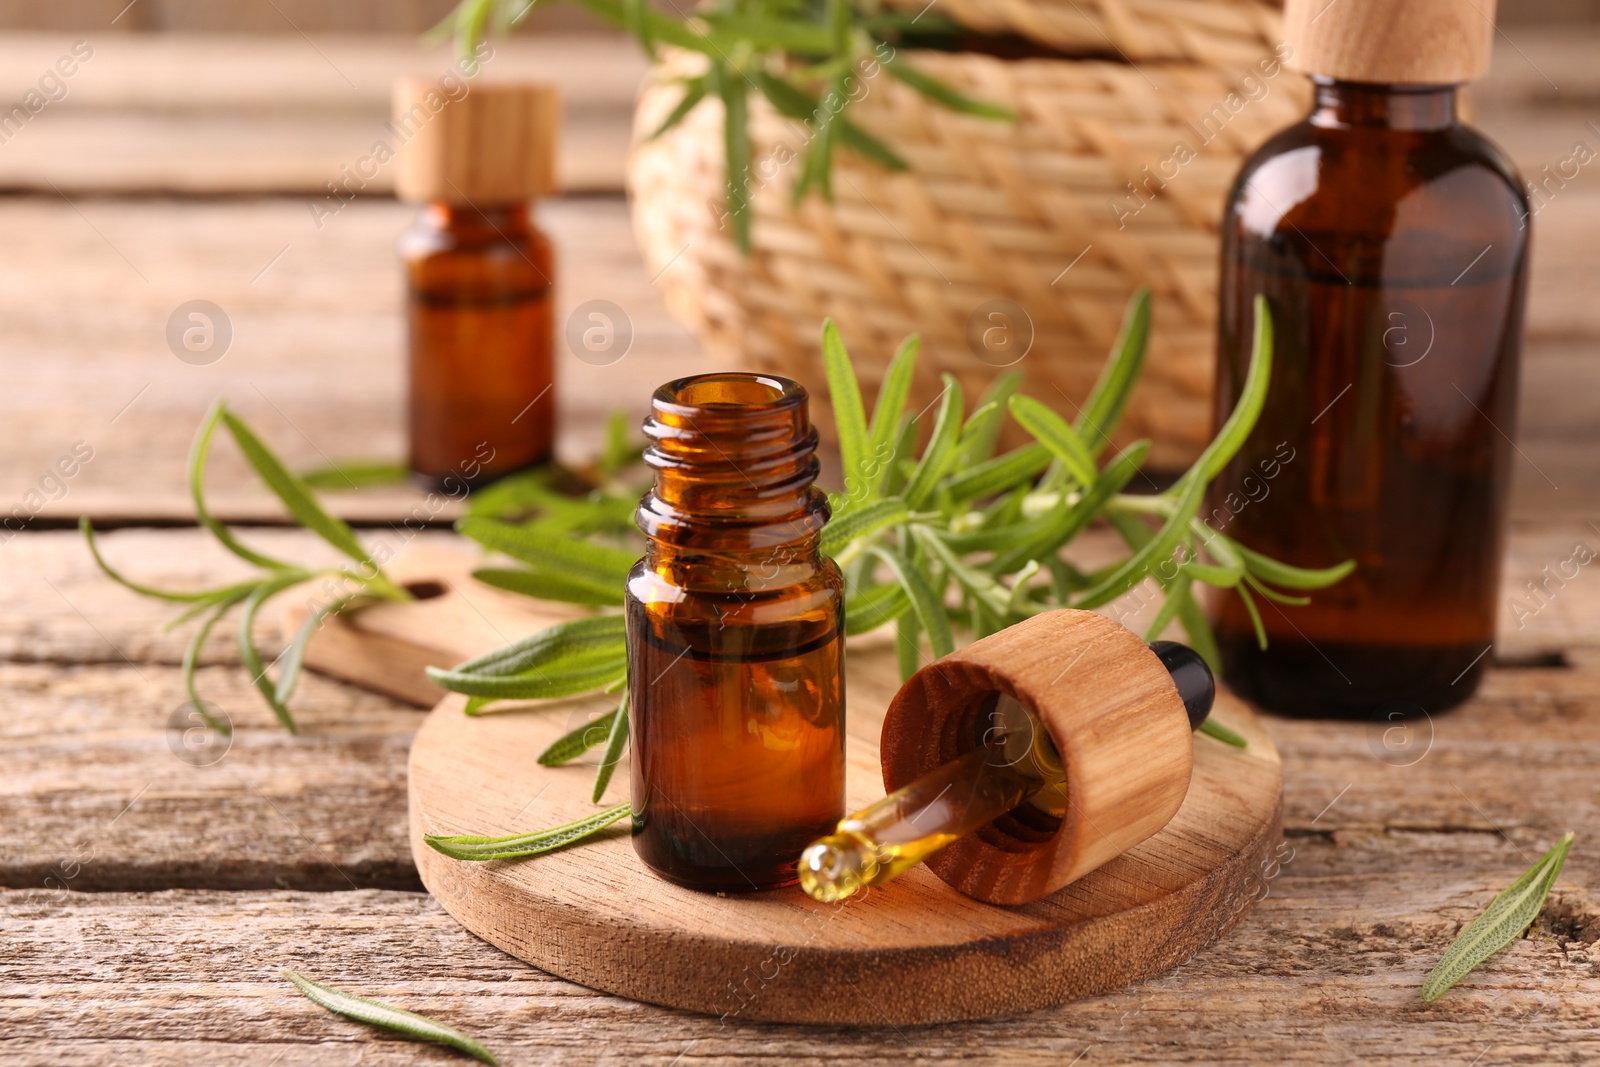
1170	604
1000	474
1145	562
662	28
1255	617
941	450
615	743
374	1013
1242	419
203	597
471	18
1197	630
1052	431
251	656
947	95
890	408
361	474
901	463
634	14
862	521
516	846
550	645
199	454
1283	574
908	655
1213	728
1102	412
294	657
232	593
733	89
302	504
869	147
794	36
1505	919
849	416
867	609
1044	537
571	678
925	603
1272	594
576	742
593	564
191	655
549	585
694	91
982	431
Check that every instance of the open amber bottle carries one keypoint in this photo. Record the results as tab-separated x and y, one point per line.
735	639
1391	243
479	280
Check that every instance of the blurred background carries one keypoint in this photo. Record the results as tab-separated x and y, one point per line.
190	153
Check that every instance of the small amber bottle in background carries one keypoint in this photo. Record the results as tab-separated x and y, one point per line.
479	278
735	639
1391	242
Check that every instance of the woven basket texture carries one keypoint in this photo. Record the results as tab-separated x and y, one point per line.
1005	244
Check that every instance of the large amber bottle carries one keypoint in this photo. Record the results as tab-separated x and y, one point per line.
1391	242
735	639
479	279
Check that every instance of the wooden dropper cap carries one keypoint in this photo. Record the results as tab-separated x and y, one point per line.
481	143
1116	719
1391	42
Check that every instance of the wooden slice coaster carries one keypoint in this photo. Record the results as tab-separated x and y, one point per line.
914	951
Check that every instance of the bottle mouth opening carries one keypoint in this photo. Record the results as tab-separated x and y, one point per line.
729	392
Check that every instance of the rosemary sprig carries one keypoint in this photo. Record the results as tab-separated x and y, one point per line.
375	1013
517	846
806	59
1501	923
277	576
952	540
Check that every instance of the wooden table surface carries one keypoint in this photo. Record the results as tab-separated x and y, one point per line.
148	905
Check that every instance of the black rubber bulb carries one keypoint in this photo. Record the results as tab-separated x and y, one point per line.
1194	680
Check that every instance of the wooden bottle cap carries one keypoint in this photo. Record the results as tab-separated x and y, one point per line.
1115	716
475	142
1390	42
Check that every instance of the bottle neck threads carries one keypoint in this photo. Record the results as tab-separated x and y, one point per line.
735	459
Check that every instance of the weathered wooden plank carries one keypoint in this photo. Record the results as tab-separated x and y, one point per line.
1325	970
100	769
316	362
223	114
279	18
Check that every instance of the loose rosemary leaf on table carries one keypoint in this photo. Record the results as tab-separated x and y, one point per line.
376	1013
362	583
1501	923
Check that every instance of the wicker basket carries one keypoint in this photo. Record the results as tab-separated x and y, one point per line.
1005	244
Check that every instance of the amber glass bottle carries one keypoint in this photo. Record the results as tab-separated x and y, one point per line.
481	365
735	639
479	281
1391	243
